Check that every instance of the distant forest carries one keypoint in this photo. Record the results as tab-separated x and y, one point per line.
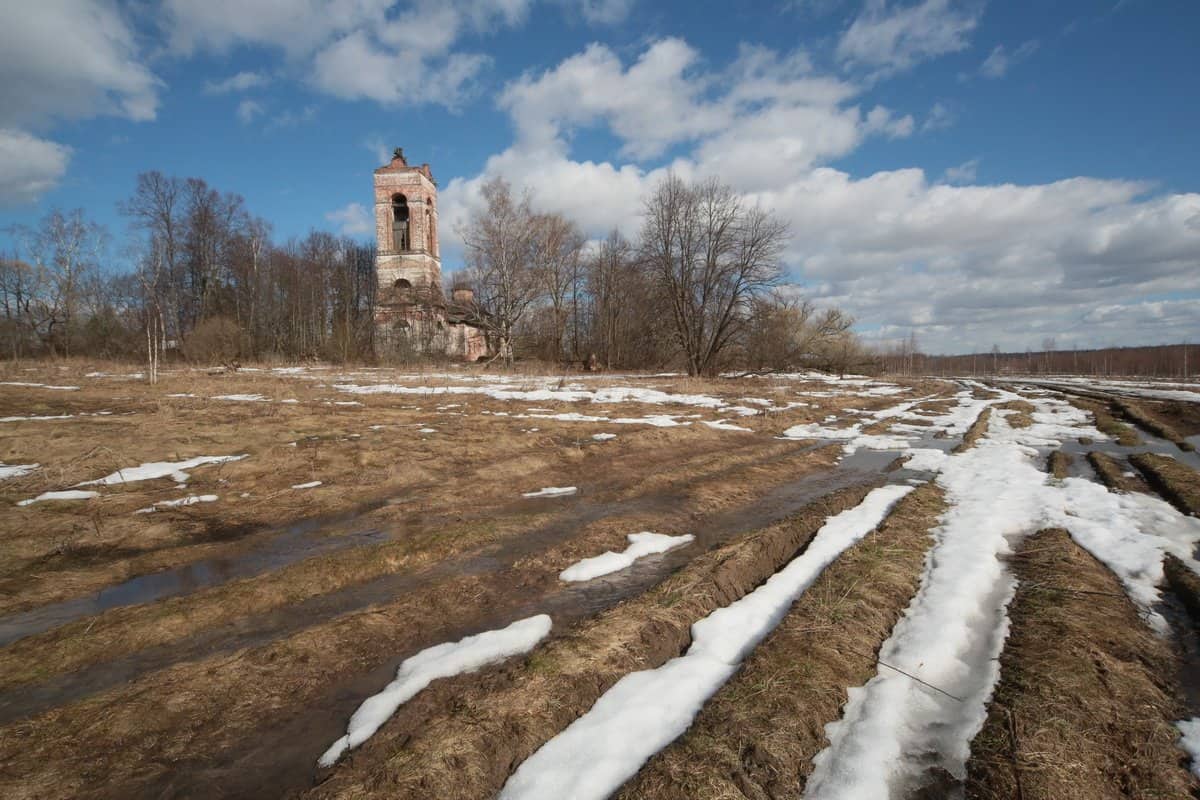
1178	361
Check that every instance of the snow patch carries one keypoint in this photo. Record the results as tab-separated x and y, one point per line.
190	500
177	470
442	661
66	494
241	398
640	545
39	386
552	491
646	710
16	470
309	485
1190	741
894	729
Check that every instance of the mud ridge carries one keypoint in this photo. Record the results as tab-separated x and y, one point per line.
1178	483
757	736
1085	702
1113	475
978	429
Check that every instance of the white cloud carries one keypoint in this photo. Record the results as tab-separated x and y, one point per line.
999	61
893	39
355	67
602	12
965	172
71	59
247	110
29	166
295	26
353	219
290	118
962	265
940	117
238	83
355	49
378	148
764	102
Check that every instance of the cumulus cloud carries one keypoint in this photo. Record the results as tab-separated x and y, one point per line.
354	49
965	172
240	82
999	61
71	59
29	166
247	110
378	148
602	12
67	60
352	219
964	266
888	39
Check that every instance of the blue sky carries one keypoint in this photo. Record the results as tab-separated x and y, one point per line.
974	172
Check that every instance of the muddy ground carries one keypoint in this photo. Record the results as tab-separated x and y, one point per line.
216	649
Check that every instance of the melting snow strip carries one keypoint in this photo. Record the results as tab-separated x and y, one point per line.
645	711
177	470
894	729
442	661
309	485
66	494
16	470
39	386
603	437
552	491
1190	741
640	545
190	500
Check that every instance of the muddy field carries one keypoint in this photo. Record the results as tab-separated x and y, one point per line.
357	583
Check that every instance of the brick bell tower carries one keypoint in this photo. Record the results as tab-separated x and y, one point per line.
407	261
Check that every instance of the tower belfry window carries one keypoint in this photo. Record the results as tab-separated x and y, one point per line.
400	231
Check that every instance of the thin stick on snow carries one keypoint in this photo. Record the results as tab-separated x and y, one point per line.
883	663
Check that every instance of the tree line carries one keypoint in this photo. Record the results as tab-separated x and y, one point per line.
698	289
207	282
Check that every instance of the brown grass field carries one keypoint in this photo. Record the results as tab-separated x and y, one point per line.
215	649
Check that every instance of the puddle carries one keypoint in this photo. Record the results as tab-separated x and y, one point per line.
1150	444
283	756
292	543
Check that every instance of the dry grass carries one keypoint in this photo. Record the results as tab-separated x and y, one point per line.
1177	482
757	736
1084	706
1114	474
1184	583
1106	423
1146	415
978	428
1059	464
1022	413
451	494
490	725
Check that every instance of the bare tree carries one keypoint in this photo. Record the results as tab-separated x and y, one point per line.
711	255
789	332
556	247
501	248
65	248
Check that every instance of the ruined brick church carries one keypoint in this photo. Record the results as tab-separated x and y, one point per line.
412	314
